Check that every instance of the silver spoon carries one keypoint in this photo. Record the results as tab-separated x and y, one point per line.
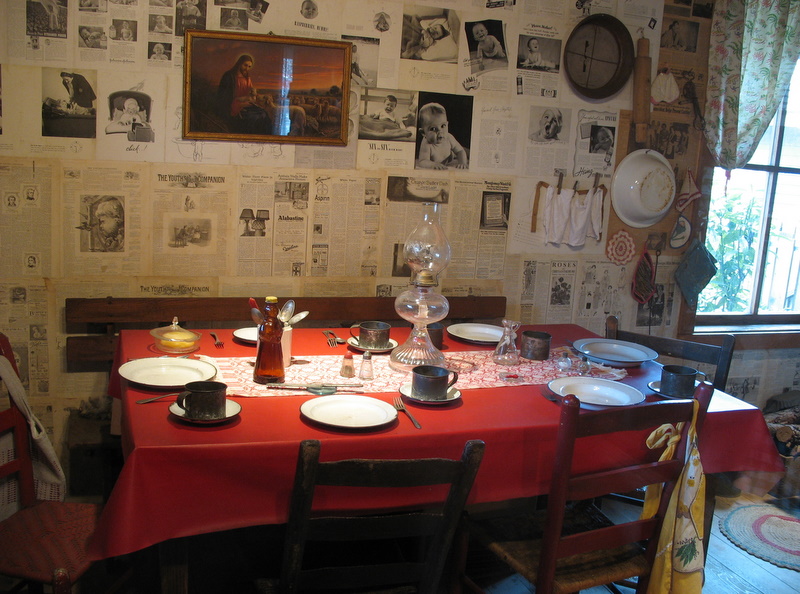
296	318
287	311
146	400
257	316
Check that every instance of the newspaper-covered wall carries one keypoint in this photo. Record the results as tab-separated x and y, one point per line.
94	207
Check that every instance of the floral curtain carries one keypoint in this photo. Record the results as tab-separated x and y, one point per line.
752	55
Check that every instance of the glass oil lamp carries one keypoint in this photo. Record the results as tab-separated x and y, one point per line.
427	253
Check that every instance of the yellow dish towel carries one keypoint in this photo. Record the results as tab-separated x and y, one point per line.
679	564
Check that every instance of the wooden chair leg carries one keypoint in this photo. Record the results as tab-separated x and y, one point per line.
460	581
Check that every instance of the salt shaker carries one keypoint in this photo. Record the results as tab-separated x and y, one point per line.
564	362
347	370
584	367
365	373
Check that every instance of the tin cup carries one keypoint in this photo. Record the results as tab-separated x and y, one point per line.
429	382
203	401
436	332
679	380
535	345
371	335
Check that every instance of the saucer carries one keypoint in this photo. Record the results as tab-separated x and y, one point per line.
655	386
452	395
353	342
232	410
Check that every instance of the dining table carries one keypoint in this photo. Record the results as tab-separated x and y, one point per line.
181	478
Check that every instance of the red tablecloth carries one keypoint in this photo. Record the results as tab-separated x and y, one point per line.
181	480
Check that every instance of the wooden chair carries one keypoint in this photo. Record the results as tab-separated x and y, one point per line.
337	533
719	356
44	542
571	545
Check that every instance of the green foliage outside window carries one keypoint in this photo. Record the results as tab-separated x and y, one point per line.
734	227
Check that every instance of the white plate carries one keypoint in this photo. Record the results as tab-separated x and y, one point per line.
476	333
160	372
643	188
353	342
232	409
452	395
352	412
617	353
247	334
656	387
603	392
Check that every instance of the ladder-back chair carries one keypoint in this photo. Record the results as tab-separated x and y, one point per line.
44	542
571	545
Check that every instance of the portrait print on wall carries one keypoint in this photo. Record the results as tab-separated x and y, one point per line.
539	53
548	124
46	18
430	34
387	114
102	224
190	14
266	88
444	125
130	113
487	45
69	103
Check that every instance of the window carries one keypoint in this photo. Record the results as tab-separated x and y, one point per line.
753	230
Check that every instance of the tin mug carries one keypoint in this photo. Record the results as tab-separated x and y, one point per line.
371	335
203	401
679	380
436	334
429	382
535	345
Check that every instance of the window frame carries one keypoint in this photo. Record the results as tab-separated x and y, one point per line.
755	322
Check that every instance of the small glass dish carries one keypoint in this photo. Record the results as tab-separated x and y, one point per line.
174	339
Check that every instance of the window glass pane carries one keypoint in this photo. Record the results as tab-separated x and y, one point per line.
791	131
780	284
765	153
733	238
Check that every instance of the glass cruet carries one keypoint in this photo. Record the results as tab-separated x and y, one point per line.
506	352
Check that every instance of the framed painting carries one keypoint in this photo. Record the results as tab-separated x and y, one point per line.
265	88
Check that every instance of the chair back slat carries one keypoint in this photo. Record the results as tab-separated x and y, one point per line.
435	526
628	478
388	474
606	538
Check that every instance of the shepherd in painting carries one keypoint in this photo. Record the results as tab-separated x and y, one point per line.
265	88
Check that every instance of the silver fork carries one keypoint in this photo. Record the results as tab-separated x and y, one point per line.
331	338
336	338
217	342
400	406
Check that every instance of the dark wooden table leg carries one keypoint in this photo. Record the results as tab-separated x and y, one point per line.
173	559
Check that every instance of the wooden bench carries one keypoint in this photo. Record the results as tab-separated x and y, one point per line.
99	320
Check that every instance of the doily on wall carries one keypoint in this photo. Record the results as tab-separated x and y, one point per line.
621	248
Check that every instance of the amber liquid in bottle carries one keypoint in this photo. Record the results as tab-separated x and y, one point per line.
269	356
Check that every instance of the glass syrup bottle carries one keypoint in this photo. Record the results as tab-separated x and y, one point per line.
506	352
269	356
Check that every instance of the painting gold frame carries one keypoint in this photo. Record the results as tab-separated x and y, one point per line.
265	88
